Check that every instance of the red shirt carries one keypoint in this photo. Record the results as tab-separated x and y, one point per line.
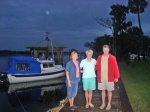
113	71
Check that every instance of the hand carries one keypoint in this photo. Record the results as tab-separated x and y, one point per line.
69	84
81	71
116	80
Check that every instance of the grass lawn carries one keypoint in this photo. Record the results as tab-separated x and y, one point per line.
136	79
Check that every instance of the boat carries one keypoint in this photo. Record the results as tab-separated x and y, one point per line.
22	69
37	84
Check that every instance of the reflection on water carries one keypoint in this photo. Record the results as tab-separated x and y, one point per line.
31	98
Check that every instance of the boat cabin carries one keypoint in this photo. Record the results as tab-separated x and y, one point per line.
22	65
47	64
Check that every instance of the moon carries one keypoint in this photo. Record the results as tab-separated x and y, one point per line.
47	12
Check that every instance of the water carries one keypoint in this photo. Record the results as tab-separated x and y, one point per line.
31	97
38	99
3	61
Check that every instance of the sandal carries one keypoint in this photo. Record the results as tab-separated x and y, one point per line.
102	106
91	105
87	105
108	107
75	107
71	108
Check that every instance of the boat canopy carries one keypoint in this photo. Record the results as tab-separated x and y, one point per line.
22	65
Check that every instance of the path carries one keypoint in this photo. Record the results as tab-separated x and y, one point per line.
120	102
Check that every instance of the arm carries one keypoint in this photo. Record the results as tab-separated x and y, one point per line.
117	74
97	68
81	66
97	63
68	79
67	74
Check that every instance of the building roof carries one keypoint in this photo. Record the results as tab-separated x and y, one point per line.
46	43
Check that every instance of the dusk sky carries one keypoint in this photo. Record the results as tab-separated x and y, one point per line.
70	22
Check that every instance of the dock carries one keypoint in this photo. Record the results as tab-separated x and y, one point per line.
120	101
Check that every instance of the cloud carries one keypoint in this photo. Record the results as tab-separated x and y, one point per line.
70	22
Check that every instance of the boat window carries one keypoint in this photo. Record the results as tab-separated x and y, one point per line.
23	67
51	65
47	65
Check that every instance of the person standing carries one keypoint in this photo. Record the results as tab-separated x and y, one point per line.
88	78
72	79
107	74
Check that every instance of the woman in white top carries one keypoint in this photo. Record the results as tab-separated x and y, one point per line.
88	78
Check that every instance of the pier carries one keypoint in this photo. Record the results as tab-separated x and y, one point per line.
120	102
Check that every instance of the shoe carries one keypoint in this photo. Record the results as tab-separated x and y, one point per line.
108	107
102	106
87	105
91	105
75	107
71	108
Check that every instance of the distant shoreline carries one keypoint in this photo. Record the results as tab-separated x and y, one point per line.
27	53
10	53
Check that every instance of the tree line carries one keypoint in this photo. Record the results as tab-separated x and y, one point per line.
126	38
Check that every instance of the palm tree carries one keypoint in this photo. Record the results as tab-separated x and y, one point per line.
137	7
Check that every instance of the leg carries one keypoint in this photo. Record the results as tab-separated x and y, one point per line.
90	98
103	93
85	87
75	90
102	87
69	94
109	97
109	100
72	99
87	96
110	88
92	86
70	102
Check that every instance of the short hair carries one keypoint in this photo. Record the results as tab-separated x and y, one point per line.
89	51
72	53
106	46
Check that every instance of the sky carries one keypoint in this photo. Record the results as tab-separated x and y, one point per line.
70	22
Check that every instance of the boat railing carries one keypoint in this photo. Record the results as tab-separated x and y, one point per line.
45	60
58	66
50	61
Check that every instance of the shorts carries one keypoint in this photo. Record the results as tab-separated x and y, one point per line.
89	83
105	85
72	91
